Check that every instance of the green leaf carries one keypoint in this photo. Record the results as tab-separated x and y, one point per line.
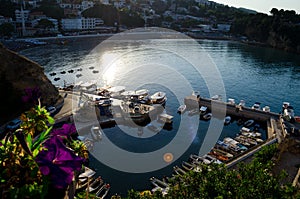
41	138
29	141
50	120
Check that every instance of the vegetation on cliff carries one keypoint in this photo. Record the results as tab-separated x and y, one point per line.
17	74
279	30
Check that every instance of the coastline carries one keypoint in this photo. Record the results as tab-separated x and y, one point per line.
22	43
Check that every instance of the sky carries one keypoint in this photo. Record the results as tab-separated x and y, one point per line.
263	6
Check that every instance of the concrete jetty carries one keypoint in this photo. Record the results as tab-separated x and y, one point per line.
274	122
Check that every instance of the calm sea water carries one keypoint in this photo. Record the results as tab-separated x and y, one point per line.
254	74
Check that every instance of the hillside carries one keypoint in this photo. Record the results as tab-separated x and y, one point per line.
17	73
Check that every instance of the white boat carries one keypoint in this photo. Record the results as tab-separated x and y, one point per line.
216	97
203	110
242	103
227	120
187	166
249	123
231	101
181	109
159	98
224	153
95	185
256	106
178	170
207	116
103	191
165	118
266	109
198	159
159	186
212	159
96	133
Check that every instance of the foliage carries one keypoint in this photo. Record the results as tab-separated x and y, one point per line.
280	30
248	180
111	15
35	159
7	8
45	24
6	29
50	9
20	175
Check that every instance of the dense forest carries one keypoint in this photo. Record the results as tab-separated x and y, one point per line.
279	30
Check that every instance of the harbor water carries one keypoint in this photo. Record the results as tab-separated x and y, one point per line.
250	73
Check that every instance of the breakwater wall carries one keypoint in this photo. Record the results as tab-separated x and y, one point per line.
230	109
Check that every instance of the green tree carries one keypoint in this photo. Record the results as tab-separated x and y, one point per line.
45	24
6	29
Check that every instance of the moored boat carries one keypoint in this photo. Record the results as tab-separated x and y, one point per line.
103	191
249	123
181	109
207	116
96	133
95	185
159	98
203	110
227	120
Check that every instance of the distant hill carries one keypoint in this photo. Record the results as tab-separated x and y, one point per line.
248	10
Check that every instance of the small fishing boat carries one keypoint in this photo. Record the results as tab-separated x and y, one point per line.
95	185
221	152
103	191
159	98
227	120
159	186
198	159
178	170
165	118
85	178
212	159
207	116
256	106
181	109
249	123
96	133
203	110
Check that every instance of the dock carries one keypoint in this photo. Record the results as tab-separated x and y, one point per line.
274	122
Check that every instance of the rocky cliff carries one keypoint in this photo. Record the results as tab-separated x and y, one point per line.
17	73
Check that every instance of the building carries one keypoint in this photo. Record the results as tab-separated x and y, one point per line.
81	24
71	24
22	14
5	20
224	27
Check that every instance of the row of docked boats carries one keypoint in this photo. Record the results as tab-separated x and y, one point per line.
223	151
91	184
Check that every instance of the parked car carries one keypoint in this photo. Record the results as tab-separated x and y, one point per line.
51	109
14	124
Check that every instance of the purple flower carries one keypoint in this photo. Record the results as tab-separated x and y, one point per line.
59	162
31	95
65	130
